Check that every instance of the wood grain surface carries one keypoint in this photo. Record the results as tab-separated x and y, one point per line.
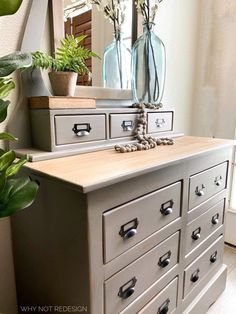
98	169
57	102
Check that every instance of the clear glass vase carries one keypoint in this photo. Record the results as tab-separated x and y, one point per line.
116	71
148	67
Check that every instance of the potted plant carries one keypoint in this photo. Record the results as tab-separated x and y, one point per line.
15	193
69	61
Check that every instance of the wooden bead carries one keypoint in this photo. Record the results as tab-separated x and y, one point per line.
139	146
117	147
122	149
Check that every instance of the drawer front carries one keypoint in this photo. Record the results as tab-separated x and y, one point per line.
203	264
122	125
199	229
71	129
159	122
129	224
132	281
163	302
206	184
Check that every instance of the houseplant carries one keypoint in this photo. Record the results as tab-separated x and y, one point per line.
15	193
69	61
116	70
148	58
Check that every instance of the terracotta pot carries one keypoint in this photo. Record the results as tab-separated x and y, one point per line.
63	83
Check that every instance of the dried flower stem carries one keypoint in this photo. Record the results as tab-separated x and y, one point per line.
147	10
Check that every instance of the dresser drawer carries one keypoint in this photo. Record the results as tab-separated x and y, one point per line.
129	224
163	302
206	184
159	122
203	264
71	129
132	281
199	229
122	125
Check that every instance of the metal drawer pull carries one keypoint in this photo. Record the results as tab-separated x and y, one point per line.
196	234
160	122
213	257
129	229
195	276
199	190
218	180
164	260
127	125
167	208
164	308
127	289
215	219
82	129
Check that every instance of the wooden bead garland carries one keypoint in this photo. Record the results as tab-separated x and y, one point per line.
144	142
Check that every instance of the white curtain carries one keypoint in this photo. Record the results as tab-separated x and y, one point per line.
214	102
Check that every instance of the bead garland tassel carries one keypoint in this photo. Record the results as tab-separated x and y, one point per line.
144	142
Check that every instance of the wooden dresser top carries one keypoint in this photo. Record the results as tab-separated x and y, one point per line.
99	169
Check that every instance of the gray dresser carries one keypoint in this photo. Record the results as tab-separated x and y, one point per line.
131	233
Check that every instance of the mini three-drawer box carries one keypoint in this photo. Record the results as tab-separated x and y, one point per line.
57	127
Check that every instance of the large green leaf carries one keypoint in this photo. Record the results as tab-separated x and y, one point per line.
6	85
8	7
7	159
2	151
7	137
14	61
14	168
2	181
17	195
3	109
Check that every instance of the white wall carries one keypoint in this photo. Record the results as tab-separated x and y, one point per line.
11	34
215	93
101	37
177	26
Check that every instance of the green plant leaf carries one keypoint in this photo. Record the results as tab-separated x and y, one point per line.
3	109
8	7
6	85
69	57
2	181
14	168
17	195
2	151
14	61
6	160
7	137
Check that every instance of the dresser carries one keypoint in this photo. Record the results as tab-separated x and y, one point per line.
113	233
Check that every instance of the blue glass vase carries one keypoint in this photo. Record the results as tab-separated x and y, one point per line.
148	67
116	72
